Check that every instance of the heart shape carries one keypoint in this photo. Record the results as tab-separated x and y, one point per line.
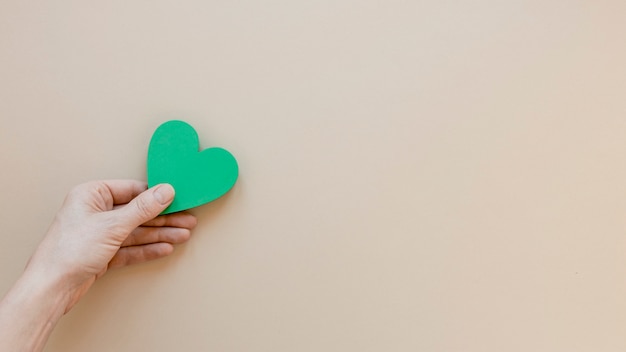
198	177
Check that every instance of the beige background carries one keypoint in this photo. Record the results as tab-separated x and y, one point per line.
415	175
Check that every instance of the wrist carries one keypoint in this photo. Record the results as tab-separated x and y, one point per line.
30	310
50	290
58	285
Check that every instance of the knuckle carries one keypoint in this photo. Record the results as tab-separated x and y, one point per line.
85	187
76	191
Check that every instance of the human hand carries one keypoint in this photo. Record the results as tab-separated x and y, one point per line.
108	224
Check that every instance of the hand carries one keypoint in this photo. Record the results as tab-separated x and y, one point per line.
108	224
102	225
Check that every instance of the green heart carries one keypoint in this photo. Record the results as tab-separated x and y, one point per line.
198	177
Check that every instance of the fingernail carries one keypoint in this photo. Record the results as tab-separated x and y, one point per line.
164	193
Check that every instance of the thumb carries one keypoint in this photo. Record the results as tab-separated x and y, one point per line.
147	205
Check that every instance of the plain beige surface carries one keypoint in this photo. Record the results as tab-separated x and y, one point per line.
415	175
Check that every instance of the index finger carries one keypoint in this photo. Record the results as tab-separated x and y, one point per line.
120	191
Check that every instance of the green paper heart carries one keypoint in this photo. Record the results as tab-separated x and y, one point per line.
198	177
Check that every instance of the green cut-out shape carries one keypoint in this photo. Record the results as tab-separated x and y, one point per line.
198	177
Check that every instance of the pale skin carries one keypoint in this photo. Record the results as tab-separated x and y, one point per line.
102	225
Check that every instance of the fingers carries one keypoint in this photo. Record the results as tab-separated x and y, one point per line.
98	196
152	242
139	254
146	235
118	191
146	206
181	219
123	191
